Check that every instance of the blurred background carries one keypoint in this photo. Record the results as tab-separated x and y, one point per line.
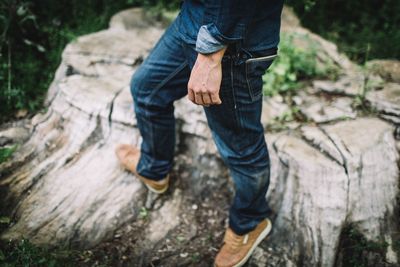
34	33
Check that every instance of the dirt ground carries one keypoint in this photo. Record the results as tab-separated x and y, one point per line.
194	242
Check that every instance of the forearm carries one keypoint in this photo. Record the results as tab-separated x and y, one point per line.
212	58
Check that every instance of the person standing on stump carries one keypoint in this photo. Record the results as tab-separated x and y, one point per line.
216	53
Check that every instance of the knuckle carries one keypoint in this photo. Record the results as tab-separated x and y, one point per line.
204	90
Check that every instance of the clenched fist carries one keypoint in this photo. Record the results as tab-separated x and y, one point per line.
205	79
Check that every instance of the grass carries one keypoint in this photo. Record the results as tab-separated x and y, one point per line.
143	213
293	70
356	251
24	253
6	153
295	65
360	102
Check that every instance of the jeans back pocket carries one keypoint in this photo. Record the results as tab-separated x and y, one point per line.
256	66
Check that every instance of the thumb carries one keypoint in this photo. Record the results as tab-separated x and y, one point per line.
215	99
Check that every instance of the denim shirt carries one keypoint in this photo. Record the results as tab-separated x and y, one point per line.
210	25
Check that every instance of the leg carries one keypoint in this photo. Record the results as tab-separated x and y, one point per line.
160	80
239	136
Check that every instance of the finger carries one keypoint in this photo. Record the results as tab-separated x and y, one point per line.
215	99
206	99
191	95
198	99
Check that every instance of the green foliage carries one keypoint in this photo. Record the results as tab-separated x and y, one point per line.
294	65
360	102
5	220
5	153
161	4
196	257
24	253
396	243
354	248
33	35
289	115
17	21
363	29
280	123
143	213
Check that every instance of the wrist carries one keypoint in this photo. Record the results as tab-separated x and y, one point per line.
215	57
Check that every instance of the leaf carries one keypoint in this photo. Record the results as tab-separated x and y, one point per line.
40	48
28	42
27	18
143	212
5	220
292	77
21	11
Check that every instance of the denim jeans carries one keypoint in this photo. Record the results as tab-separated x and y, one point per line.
235	124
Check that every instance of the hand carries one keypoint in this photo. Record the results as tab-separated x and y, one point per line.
205	79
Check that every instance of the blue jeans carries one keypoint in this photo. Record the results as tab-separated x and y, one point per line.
235	124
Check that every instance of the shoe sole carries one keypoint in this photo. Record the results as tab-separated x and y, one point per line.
156	191
138	176
149	187
260	238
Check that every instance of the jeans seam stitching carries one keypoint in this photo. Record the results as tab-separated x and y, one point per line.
259	59
168	78
236	111
156	89
248	82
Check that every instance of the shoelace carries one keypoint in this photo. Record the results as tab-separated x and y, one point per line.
233	241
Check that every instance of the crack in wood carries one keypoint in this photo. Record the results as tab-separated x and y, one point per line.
320	149
345	166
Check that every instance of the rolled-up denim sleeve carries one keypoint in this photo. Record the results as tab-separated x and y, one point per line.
224	22
206	43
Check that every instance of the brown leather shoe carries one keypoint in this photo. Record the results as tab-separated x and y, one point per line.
237	249
129	157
